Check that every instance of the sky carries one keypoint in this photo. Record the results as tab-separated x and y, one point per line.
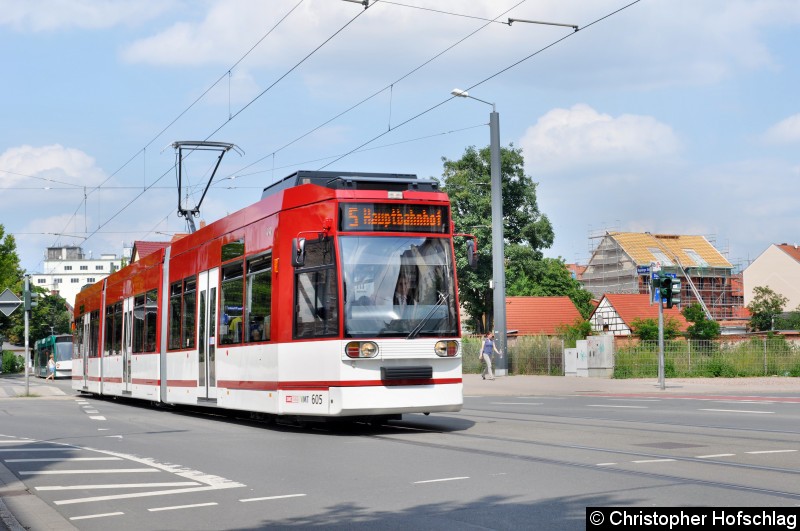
677	117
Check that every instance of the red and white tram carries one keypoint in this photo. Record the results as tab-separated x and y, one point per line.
334	295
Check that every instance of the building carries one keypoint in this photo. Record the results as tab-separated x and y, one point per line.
531	316
67	269
621	263
617	311
777	268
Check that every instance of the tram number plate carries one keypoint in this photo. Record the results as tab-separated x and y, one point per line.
315	401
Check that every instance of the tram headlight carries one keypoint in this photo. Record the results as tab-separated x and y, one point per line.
361	349
446	349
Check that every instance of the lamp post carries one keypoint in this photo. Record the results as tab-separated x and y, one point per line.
498	252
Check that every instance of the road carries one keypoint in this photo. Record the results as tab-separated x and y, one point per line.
508	461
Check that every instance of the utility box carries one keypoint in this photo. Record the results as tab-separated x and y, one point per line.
570	361
582	359
600	356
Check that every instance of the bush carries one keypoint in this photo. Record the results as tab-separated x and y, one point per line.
11	362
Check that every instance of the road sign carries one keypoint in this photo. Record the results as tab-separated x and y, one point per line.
8	302
642	270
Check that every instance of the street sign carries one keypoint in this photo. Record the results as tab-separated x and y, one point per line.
8	302
642	270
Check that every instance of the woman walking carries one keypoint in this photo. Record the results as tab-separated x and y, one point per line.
486	356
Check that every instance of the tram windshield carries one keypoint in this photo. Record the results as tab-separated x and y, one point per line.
398	286
63	351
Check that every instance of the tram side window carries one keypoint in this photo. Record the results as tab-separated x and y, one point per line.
259	298
189	312
94	333
145	317
316	295
231	328
182	311
78	337
113	329
175	295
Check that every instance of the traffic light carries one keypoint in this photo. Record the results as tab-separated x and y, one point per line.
666	290
674	293
28	297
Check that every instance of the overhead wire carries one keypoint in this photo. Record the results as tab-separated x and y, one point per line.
517	63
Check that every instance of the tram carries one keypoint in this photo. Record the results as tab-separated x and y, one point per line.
333	296
60	346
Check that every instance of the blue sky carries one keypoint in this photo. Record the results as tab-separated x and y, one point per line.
668	116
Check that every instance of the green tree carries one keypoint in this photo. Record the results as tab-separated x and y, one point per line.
647	329
702	327
571	333
547	277
527	231
766	305
11	275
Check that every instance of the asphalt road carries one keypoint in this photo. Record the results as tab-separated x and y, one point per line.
521	454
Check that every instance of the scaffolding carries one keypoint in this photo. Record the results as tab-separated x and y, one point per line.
612	269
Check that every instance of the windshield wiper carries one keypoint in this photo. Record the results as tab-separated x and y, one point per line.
417	329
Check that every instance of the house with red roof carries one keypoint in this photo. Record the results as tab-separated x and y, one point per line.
777	268
531	316
143	248
616	312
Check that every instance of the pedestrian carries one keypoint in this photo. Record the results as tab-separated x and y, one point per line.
51	369
486	355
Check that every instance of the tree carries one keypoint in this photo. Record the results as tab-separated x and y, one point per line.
766	304
647	329
527	231
580	329
11	276
702	327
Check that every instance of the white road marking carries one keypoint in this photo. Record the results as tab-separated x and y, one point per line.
120	486
95	516
139	495
53	449
606	464
91	412
266	498
97	471
738	411
771	452
516	403
743	402
609	405
97	417
176	507
714	455
59	459
636	399
653	461
438	480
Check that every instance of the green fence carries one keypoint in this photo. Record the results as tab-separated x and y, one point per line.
758	356
528	355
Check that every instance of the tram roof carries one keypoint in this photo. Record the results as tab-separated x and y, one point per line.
338	180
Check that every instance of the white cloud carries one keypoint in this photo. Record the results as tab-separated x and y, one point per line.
52	15
581	136
47	165
784	132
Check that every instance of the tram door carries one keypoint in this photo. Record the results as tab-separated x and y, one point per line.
208	284
127	344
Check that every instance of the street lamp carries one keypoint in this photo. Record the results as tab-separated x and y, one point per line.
498	253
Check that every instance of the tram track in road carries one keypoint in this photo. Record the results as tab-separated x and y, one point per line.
638	457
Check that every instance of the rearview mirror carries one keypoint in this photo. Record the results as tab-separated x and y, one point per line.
472	257
298	252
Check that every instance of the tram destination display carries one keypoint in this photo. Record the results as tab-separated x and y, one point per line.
393	217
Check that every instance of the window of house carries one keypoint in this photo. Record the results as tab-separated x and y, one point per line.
660	256
695	256
98	268
74	280
67	268
56	281
41	281
84	268
90	280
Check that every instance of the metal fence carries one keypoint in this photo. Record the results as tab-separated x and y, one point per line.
526	355
758	356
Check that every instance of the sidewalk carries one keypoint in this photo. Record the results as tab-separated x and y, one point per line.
13	385
572	385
